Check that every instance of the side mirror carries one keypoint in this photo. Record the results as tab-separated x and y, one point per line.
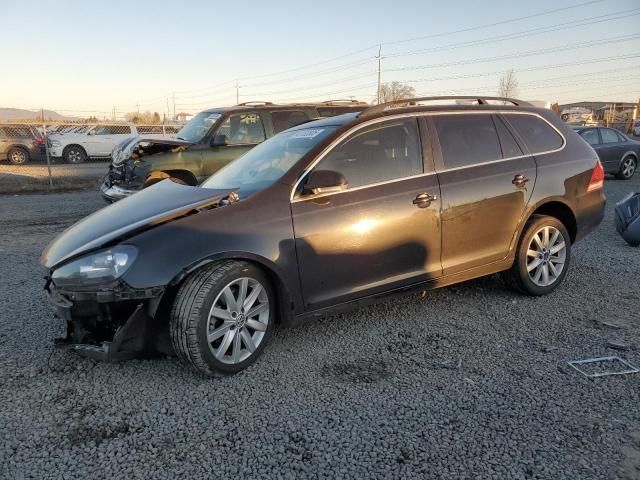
324	181
219	141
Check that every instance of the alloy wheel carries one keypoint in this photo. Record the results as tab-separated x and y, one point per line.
18	156
74	156
546	255
238	320
628	167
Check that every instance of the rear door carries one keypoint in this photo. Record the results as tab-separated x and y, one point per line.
486	180
611	149
382	232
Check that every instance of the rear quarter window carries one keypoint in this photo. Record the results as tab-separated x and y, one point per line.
285	119
536	133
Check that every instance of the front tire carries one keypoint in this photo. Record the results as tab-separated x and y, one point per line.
628	167
222	317
18	156
75	154
542	258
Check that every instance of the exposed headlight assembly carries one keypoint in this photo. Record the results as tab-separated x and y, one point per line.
96	269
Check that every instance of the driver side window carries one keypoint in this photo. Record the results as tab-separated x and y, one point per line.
378	153
243	129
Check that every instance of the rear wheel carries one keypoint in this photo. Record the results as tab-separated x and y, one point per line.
222	317
627	168
18	156
542	258
74	154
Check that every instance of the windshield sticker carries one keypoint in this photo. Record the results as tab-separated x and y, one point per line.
214	116
309	133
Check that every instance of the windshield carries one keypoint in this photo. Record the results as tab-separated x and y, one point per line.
265	164
197	127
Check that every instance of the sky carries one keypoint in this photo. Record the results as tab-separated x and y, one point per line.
86	57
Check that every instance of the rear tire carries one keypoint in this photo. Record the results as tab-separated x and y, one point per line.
74	154
222	317
628	167
18	156
542	257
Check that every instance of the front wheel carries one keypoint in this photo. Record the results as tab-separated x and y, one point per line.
75	154
542	258
222	317
627	168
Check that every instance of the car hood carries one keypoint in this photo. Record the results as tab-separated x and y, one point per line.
144	146
161	203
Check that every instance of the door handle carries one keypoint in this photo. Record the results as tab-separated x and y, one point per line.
519	180
423	199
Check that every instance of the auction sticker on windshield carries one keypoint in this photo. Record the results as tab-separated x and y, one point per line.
309	133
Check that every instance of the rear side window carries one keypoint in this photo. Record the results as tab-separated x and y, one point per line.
591	136
536	133
377	153
609	136
509	145
286	119
467	139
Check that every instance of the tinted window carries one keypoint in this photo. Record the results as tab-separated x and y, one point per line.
377	153
609	136
536	133
287	119
591	136
467	139
509	145
243	129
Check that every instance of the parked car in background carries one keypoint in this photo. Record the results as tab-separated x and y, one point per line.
636	128
78	143
20	143
618	153
207	142
326	216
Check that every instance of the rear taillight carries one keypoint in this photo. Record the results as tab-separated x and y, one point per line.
597	178
40	140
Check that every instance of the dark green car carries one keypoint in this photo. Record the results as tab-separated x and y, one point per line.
208	142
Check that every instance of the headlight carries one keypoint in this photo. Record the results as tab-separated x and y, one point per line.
96	269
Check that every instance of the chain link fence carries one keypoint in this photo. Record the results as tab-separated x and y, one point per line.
43	157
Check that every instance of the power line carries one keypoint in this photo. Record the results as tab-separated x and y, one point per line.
527	33
602	41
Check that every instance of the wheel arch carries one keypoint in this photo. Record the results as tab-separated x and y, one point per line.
184	175
284	298
557	209
67	147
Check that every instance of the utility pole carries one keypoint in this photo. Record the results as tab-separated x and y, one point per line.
379	57
173	94
113	114
237	92
46	150
168	109
138	107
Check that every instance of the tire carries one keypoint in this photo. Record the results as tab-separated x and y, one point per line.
74	154
207	341
628	167
556	262
18	156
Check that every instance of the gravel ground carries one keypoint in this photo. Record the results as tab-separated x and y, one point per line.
470	381
34	177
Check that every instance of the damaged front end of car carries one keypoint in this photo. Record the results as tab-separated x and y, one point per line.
128	170
108	316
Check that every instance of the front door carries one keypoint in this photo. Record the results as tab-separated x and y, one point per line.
479	166
383	231
242	132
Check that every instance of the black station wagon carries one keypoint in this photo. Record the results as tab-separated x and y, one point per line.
325	216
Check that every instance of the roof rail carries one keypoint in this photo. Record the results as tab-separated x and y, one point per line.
332	102
253	103
411	102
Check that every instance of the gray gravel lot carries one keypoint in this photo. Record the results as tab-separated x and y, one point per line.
470	381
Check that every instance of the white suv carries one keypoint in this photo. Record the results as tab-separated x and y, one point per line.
97	141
